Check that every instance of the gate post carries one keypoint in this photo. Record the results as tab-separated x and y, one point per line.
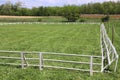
91	65
40	61
22	60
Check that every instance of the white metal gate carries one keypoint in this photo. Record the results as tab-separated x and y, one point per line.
108	50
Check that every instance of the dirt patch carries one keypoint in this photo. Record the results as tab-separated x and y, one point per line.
19	17
99	16
30	16
82	16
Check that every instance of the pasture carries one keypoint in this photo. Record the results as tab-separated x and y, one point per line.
60	38
65	38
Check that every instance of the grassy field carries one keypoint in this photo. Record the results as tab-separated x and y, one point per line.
63	38
83	18
31	19
67	38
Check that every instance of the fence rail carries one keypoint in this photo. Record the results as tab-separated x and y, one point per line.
41	60
109	53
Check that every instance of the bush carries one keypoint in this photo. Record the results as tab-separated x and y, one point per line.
71	17
82	20
105	19
39	20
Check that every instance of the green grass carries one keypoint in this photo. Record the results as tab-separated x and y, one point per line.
38	19
63	38
47	19
116	43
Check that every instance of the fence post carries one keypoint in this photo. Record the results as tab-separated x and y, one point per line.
102	64
116	64
112	34
102	50
108	28
25	61
91	65
40	61
22	60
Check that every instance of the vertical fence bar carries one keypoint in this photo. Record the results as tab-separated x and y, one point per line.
91	65
113	55
102	66
40	61
112	34
102	50
22	60
25	61
116	64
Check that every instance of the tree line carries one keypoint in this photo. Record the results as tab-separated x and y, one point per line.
90	8
71	12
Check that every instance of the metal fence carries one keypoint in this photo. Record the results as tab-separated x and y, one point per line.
23	60
109	53
107	49
14	23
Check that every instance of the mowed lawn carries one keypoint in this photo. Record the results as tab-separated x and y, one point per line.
63	38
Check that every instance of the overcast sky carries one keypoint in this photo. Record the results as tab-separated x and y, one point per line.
36	3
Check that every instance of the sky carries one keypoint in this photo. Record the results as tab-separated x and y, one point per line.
37	3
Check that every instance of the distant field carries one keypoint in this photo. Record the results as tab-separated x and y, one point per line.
117	16
29	16
32	19
83	18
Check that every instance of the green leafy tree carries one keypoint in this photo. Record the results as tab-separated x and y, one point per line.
35	11
71	13
6	8
16	8
25	12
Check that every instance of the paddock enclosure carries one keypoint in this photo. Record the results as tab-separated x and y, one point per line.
72	46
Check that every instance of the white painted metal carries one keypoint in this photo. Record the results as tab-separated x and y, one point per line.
4	57
16	64
32	58
25	61
108	50
22	60
116	65
102	61
69	68
51	53
48	23
66	68
91	65
40	61
63	54
40	65
74	62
